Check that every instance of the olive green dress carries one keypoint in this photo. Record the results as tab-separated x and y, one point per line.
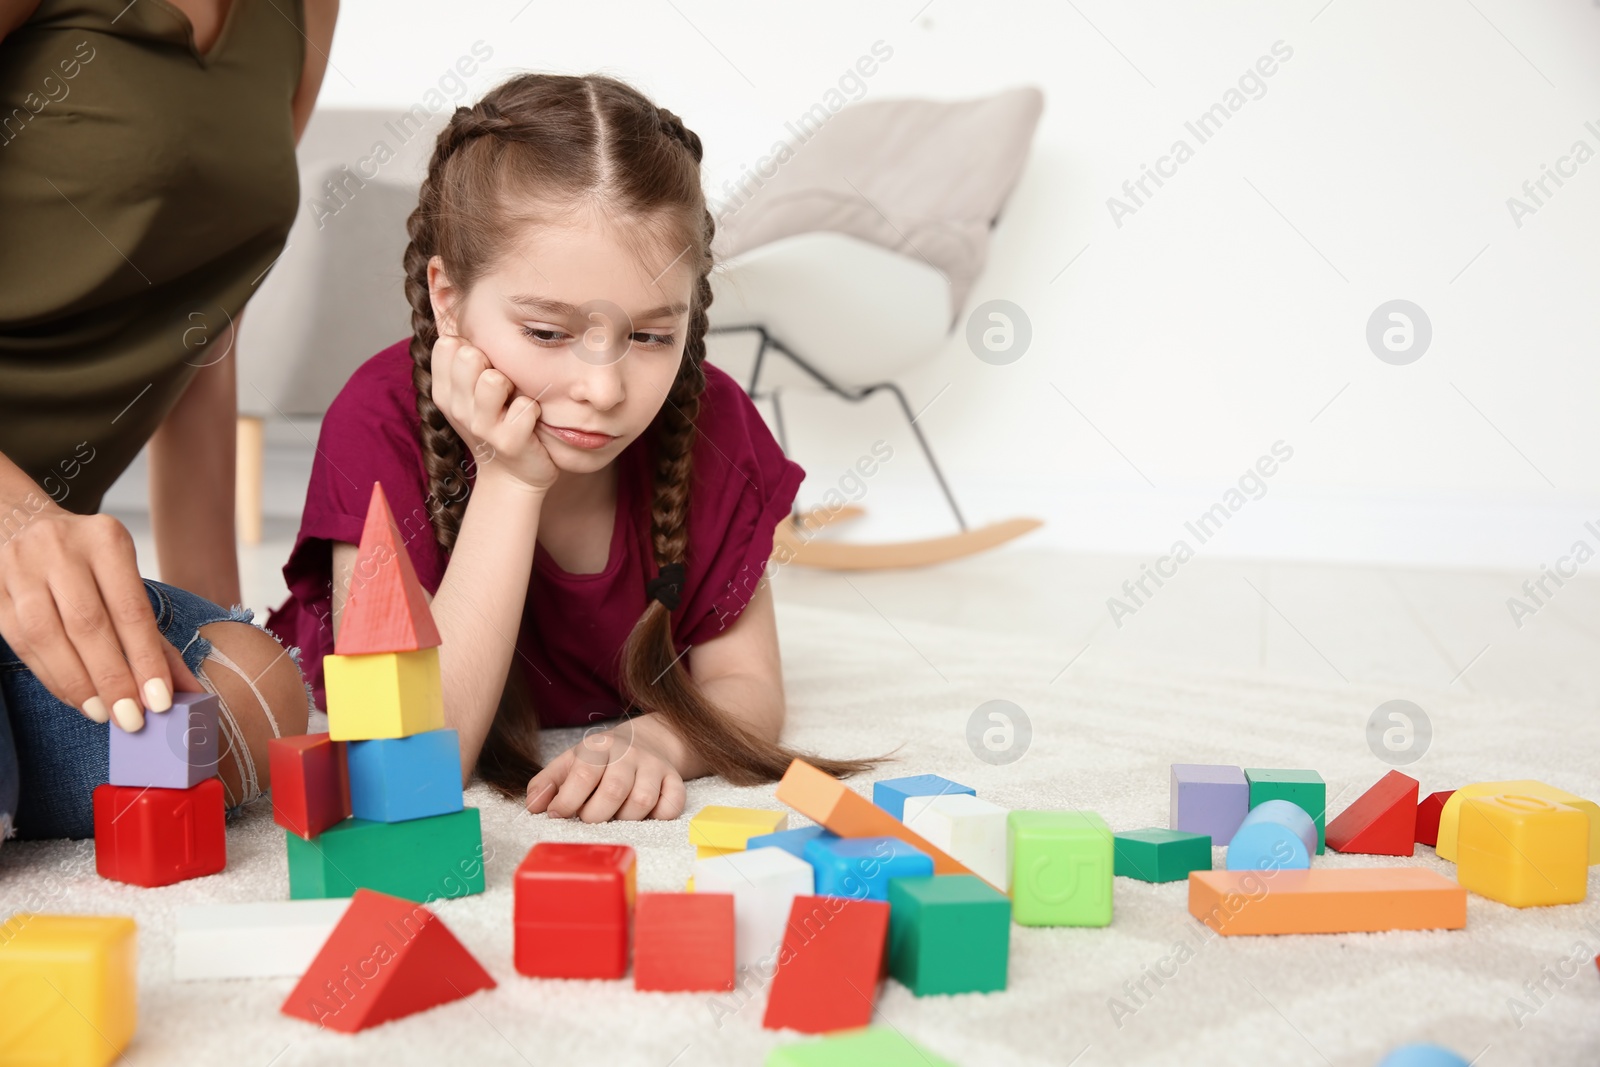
145	190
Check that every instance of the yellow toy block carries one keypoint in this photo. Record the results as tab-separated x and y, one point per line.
706	852
689	885
68	985
1449	817
383	694
1523	850
730	828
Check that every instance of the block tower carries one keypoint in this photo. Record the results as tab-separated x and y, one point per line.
409	834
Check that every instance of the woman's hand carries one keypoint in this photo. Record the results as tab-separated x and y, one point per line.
485	409
74	610
622	773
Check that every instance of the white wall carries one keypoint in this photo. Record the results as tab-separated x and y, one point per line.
1225	313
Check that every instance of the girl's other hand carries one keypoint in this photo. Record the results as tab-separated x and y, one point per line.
621	773
485	409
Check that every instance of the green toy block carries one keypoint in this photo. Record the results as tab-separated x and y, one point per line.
421	859
868	1046
1305	788
1061	864
948	933
1157	855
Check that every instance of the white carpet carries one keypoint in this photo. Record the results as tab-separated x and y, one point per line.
1103	737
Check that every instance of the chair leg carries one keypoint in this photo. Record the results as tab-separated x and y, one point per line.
926	451
251	445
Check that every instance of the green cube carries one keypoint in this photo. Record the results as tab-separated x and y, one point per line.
1061	864
948	933
1161	855
873	1046
1305	788
420	859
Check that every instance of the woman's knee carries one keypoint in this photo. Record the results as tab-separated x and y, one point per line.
262	696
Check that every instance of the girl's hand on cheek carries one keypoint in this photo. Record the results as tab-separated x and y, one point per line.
615	774
497	423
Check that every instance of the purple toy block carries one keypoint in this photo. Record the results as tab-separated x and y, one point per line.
1208	799
174	749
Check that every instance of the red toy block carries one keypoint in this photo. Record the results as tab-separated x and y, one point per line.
1428	813
387	610
310	783
1382	821
147	836
683	942
573	905
386	958
829	966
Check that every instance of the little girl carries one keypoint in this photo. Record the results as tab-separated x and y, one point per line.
589	503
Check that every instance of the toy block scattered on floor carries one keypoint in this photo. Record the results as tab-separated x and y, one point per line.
1428	813
1327	901
1157	855
683	942
400	778
892	793
875	1046
310	783
260	939
1061	868
971	829
1523	851
829	965
702	852
70	985
948	933
727	829
1303	787
1207	798
791	841
387	610
1422	1054
825	800
572	911
1382	821
174	749
386	958
861	867
419	859
764	883
383	694
1275	835
154	837
1450	813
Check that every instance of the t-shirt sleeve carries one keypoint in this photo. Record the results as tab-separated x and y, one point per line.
745	486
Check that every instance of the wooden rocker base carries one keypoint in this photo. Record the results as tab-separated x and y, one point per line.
794	541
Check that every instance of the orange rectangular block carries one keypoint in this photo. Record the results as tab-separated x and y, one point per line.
825	800
1326	901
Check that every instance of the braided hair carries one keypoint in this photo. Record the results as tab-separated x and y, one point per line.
544	141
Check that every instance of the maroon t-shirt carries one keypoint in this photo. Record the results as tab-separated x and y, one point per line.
573	625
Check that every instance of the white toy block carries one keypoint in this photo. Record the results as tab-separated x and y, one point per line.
262	939
764	883
969	828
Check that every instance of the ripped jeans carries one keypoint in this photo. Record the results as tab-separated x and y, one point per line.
52	756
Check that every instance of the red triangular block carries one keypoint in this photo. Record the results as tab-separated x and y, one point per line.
386	958
1428	814
1382	821
387	610
829	965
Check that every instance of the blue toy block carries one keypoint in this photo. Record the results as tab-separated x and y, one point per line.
891	795
791	841
860	867
1422	1054
1275	835
396	779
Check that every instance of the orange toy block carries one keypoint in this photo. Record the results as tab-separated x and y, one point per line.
387	610
683	942
1382	821
1428	813
825	800
1326	900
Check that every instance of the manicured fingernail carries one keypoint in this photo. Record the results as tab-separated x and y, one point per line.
129	716
95	708
157	697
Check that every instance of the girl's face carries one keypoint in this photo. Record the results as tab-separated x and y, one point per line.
578	322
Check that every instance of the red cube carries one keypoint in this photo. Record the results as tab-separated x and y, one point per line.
829	965
683	942
310	783
572	910
148	836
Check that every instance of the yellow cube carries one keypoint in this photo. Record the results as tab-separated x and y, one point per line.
688	886
1449	817
729	829
1523	850
702	852
68	985
383	694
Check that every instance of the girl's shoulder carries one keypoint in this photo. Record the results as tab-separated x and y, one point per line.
379	395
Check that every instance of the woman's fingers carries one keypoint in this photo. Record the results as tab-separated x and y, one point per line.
88	627
116	572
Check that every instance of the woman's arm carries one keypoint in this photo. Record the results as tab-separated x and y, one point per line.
13	13
320	17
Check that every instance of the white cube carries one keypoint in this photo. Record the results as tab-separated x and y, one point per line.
265	939
764	883
969	828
